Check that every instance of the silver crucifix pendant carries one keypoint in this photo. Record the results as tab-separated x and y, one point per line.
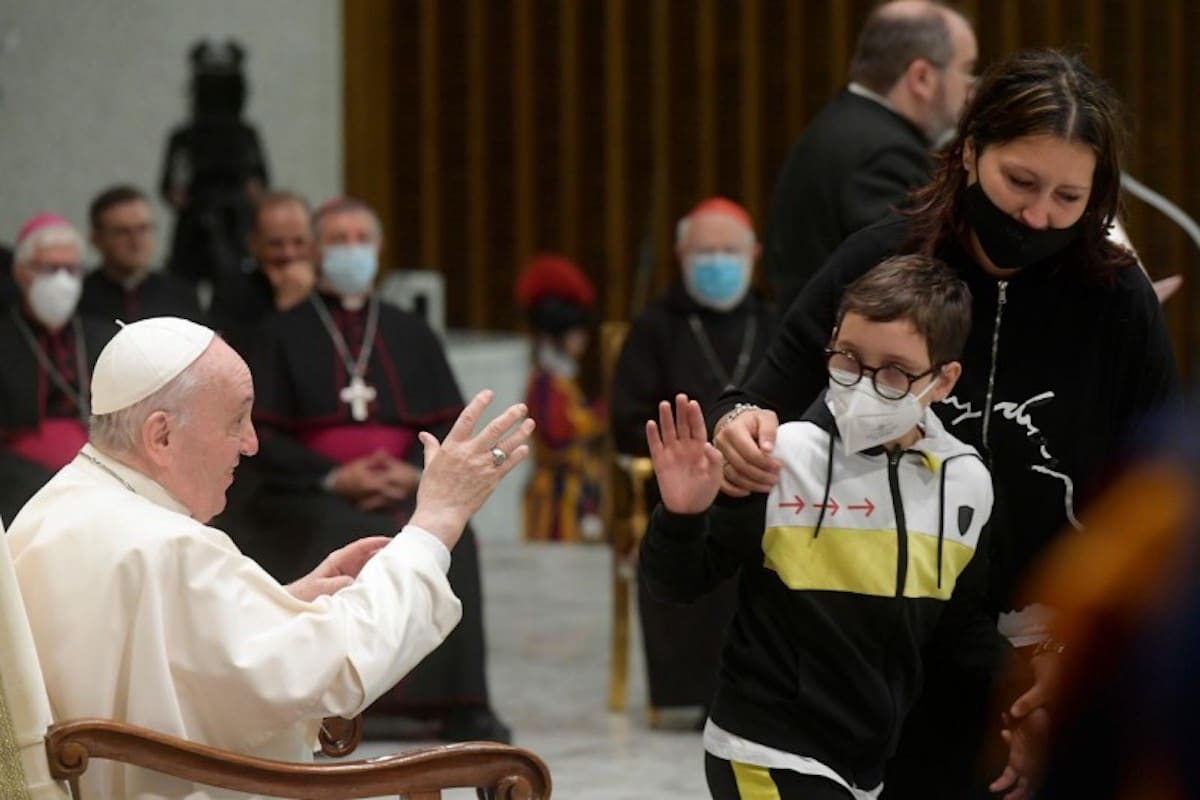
358	394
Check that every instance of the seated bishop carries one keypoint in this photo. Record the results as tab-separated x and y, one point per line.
345	382
48	351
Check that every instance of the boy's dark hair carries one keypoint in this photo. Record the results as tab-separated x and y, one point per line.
113	196
919	289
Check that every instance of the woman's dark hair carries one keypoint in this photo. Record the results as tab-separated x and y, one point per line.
1034	93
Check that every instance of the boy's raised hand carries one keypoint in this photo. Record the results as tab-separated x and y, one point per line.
687	466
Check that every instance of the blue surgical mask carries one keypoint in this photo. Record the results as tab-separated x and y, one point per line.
717	280
350	268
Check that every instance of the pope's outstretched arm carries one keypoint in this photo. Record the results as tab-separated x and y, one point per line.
273	660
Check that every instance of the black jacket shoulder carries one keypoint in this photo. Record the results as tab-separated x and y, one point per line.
856	162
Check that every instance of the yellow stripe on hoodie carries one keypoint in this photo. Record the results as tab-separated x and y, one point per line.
862	561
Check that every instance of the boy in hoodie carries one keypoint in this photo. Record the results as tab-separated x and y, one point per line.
871	549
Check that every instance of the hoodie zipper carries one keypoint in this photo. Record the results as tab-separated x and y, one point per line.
894	457
991	385
893	461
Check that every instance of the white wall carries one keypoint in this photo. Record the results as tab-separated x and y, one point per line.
89	90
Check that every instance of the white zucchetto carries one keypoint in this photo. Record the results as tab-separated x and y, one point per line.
142	358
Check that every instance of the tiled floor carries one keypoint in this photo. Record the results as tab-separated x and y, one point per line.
548	617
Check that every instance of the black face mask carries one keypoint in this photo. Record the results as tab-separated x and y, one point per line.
1011	244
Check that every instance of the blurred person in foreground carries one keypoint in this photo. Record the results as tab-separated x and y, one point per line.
1125	708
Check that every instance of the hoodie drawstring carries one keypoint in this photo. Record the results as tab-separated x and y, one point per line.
828	483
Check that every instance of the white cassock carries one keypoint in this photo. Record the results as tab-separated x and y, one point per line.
144	615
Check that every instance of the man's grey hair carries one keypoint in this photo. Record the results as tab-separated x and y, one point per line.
343	205
120	432
51	235
892	39
685	225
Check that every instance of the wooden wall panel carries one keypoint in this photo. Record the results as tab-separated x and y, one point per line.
369	113
525	132
662	230
485	130
750	105
478	165
431	136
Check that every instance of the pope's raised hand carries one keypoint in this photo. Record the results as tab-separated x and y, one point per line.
462	470
687	466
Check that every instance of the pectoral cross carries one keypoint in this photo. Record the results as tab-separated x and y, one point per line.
358	394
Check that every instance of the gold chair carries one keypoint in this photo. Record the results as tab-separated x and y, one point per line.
40	760
625	517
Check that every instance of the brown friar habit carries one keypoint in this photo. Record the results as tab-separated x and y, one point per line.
298	375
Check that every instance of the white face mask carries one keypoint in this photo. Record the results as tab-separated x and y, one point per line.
866	420
52	298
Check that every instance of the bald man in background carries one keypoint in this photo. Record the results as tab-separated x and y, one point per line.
862	154
280	275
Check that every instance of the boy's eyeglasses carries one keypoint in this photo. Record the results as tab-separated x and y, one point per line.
890	382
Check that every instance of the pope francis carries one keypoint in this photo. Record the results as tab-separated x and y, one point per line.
143	613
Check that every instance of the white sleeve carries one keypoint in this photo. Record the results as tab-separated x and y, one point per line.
269	660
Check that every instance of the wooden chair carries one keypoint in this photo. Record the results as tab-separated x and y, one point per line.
42	760
625	516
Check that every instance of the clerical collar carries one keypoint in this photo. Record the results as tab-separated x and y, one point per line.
126	282
129	478
862	91
349	302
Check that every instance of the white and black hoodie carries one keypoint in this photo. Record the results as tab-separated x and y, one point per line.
849	568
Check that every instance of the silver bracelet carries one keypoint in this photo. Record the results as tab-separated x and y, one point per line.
734	413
